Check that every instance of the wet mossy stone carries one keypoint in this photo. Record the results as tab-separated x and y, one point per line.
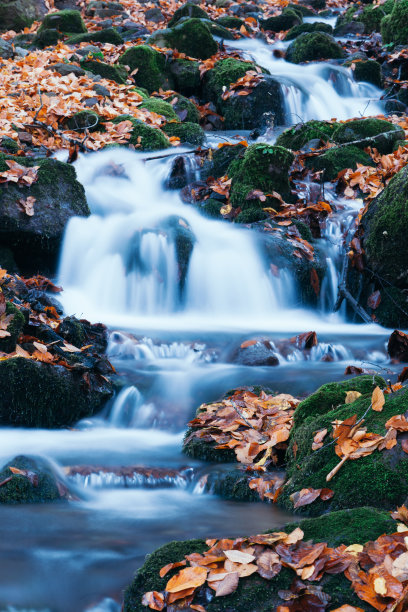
192	37
187	10
224	73
296	137
46	38
146	137
369	132
307	28
84	120
186	75
190	133
222	158
380	479
184	108
312	47
286	20
332	395
303	11
14	328
36	241
394	27
220	31
336	159
255	594
142	92
150	66
67	21
19	14
160	107
263	167
251	215
372	16
106	71
211	208
369	71
35	394
9	145
40	488
234	23
108	35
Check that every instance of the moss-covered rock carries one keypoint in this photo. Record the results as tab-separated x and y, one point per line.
303	11
37	485
144	136
186	76
379	479
67	21
155	105
263	107
368	71
184	108
106	71
150	66
14	328
369	17
35	394
224	73
19	14
369	132
46	38
262	167
251	215
336	159
84	120
36	240
222	158
190	133
332	395
192	37
230	22
9	145
286	20
255	594
296	137
108	35
394	27
312	47
306	28
211	208
187	10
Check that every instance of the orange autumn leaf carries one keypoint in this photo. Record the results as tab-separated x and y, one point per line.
154	600
190	577
377	399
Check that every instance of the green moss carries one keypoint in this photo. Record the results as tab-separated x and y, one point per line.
106	71
40	395
394	27
19	14
211	208
331	395
150	66
10	145
187	10
20	489
312	47
222	158
369	71
108	35
142	92
303	11
155	105
262	167
192	37
371	132
230	22
84	119
15	327
184	108
73	331
307	28
186	75
296	137
251	215
206	451
67	21
337	159
372	16
190	133
46	38
149	138
224	73
380	479
286	20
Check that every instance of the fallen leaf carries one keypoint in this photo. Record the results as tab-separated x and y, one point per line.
377	399
190	577
228	585
351	396
154	600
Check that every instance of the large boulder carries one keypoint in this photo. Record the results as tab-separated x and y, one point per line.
19	14
369	132
336	159
297	136
143	136
187	10
313	47
306	28
149	67
189	133
289	18
192	37
29	480
35	394
66	22
36	240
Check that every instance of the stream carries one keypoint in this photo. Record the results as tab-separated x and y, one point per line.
174	350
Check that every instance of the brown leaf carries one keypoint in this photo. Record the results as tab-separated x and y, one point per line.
27	205
154	600
164	570
269	564
377	399
304	497
228	585
374	300
190	577
236	556
351	396
314	281
2	303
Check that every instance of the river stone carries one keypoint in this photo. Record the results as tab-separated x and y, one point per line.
35	394
18	14
312	47
36	240
192	37
39	484
6	49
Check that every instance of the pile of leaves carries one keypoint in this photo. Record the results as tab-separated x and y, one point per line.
377	571
255	427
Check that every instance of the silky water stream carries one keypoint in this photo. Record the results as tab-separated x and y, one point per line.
171	341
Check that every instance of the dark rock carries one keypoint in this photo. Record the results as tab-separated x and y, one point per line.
145	137
106	71
398	346
307	28
190	133
6	49
192	37
336	159
150	66
108	35
65	69
262	353
32	481
187	10
19	14
369	132
155	15
312	47
66	22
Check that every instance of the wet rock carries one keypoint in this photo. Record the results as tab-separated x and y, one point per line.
145	137
115	73
394	28
262	353
287	20
221	159
184	108
107	35
187	10
14	328
398	346
336	159
36	240
381	476
224	73
6	49
29	480
19	14
307	28
262	108
186	76
149	66
369	132
192	37
369	71
296	137
179	175
312	47
189	133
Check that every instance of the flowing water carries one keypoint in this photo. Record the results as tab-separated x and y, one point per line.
173	340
